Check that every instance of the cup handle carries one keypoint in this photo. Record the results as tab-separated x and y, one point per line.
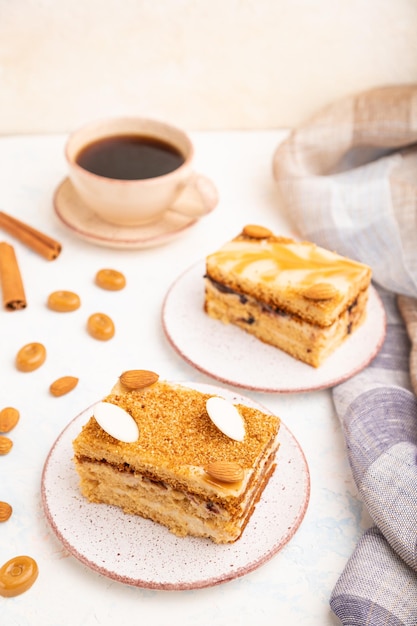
198	197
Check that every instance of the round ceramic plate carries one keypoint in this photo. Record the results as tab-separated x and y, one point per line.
142	553
235	357
88	226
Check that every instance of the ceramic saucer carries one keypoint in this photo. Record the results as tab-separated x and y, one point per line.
87	225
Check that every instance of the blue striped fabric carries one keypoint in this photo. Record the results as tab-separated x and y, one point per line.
379	420
366	208
379	584
376	587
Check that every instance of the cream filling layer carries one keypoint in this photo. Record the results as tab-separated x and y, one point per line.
183	512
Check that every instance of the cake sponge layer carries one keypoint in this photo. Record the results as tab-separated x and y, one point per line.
304	341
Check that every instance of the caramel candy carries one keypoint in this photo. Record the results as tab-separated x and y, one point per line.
9	416
63	301
100	326
112	280
17	576
30	357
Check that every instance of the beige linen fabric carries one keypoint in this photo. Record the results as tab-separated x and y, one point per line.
348	181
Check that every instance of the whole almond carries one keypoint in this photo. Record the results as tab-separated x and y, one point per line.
225	471
320	291
138	379
9	417
6	444
256	232
63	385
5	511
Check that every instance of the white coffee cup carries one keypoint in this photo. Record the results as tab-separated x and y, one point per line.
139	201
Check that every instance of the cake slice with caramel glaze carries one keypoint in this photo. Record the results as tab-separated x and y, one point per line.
296	296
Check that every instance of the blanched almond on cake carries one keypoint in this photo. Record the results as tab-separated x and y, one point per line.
256	232
225	471
138	379
116	422
320	291
63	385
226	417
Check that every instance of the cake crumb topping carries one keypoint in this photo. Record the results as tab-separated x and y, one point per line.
176	430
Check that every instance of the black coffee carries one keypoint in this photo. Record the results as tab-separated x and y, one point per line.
129	157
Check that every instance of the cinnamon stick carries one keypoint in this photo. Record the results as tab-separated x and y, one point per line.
34	239
11	280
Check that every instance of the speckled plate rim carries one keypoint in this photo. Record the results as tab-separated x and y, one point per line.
144	554
78	218
232	356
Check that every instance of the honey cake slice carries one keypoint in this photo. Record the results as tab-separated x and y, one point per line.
294	295
182	471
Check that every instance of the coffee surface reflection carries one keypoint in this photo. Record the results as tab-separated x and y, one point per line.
129	157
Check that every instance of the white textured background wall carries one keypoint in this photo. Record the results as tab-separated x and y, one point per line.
204	64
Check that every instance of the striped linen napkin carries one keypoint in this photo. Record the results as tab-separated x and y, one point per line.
347	180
